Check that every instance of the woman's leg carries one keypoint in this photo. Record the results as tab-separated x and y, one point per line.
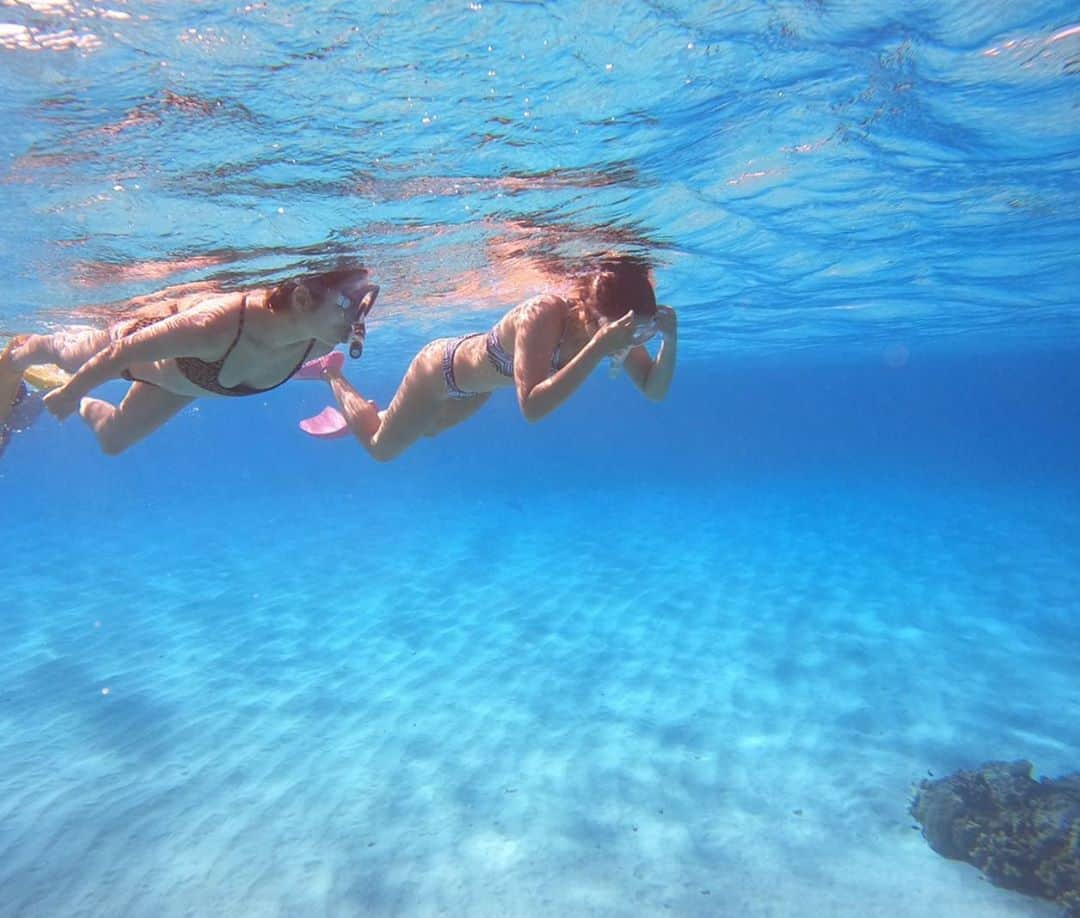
68	350
144	409
414	409
454	411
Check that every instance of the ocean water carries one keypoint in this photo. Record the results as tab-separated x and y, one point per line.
685	658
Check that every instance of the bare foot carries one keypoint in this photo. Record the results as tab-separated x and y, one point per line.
63	402
10	377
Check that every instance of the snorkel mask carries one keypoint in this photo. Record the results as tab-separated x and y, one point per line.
644	330
360	299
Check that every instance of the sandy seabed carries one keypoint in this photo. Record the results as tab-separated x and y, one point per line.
688	703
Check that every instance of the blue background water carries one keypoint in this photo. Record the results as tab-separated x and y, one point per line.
637	659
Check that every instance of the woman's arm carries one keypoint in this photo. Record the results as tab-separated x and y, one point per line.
198	332
538	336
361	415
653	377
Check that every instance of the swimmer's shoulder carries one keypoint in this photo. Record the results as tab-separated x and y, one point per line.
543	305
211	316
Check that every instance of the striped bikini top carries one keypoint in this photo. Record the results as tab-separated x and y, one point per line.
206	374
503	362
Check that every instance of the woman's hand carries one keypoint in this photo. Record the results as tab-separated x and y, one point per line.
666	322
617	335
62	402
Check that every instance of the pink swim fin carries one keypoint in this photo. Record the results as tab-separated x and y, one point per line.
328	424
313	369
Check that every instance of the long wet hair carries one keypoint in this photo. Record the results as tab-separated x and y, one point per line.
621	283
607	288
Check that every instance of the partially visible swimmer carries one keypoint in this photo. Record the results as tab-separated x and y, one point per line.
25	409
177	349
28	404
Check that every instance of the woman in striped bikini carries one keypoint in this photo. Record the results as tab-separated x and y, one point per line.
544	348
179	348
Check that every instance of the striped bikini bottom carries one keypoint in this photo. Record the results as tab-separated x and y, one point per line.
450	350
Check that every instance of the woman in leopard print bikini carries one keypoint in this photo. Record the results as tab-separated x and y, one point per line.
179	348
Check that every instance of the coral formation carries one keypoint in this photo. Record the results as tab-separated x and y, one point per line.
1022	833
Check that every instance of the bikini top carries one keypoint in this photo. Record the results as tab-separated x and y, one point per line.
503	362
206	374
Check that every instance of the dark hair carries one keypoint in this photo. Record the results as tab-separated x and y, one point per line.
280	297
621	283
317	285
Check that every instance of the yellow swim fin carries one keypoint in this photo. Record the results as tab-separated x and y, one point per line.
46	376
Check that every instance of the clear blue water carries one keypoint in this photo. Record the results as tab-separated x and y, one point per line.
637	659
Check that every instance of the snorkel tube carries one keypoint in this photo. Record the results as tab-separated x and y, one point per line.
358	331
356	340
